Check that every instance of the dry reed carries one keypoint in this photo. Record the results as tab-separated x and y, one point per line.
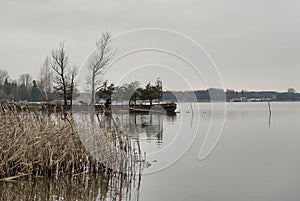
39	143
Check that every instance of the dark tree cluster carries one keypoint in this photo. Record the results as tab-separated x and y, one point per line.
149	93
129	93
105	92
24	89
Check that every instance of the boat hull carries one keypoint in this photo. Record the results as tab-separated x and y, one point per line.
157	108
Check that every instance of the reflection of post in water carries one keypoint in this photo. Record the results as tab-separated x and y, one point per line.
270	113
161	128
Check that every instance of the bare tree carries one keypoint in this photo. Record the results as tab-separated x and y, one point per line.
26	80
59	65
45	82
97	63
3	76
71	83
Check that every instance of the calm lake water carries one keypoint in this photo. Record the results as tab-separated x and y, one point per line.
256	157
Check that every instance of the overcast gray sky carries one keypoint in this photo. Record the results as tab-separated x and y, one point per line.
254	43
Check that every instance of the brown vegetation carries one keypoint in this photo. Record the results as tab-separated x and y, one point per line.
38	143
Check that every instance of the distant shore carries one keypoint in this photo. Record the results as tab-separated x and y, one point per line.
231	96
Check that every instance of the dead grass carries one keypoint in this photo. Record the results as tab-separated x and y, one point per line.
38	143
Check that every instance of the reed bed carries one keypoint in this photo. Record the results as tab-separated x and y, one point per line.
105	186
40	143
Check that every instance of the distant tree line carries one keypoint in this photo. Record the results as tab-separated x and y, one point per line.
23	89
56	81
46	88
218	94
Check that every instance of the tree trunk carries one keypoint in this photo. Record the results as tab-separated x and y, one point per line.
65	92
93	90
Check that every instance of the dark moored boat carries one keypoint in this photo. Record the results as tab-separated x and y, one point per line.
162	108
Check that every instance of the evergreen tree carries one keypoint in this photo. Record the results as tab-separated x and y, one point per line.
35	92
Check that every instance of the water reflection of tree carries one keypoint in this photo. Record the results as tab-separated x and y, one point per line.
151	125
